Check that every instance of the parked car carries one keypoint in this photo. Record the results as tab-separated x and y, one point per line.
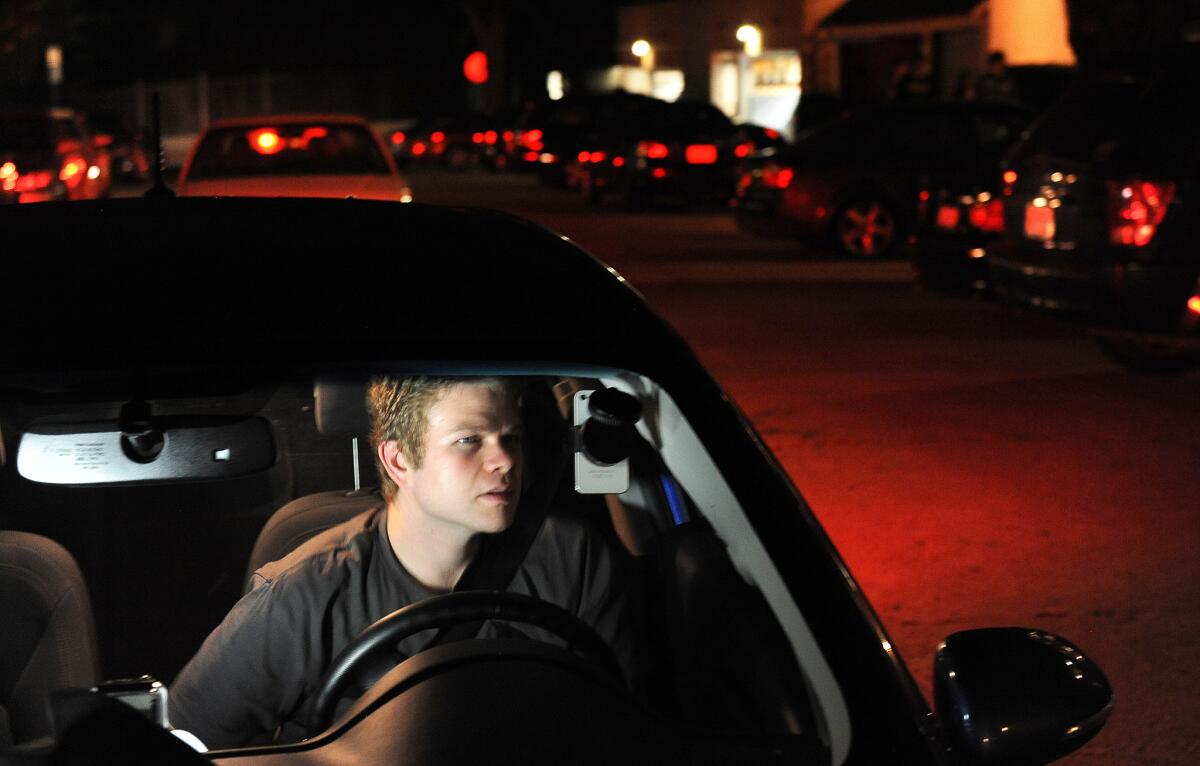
125	145
681	150
854	181
549	136
50	154
292	156
1101	222
162	443
456	142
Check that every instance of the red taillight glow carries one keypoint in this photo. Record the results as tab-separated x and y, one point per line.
743	150
477	137
418	148
1010	176
398	137
948	216
1136	208
652	149
701	154
531	156
618	162
584	157
771	133
72	171
597	157
660	172
265	140
1193	304
987	215
490	137
35	181
507	135
437	137
779	178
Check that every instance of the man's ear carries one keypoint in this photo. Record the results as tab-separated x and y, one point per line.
393	460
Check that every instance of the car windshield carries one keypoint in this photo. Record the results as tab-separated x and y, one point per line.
289	149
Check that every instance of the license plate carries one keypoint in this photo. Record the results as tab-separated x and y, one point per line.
1039	222
947	217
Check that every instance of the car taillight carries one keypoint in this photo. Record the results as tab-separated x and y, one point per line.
618	162
777	177
743	150
418	148
437	137
1136	208
1010	179
1193	304
35	181
72	171
700	154
583	157
987	215
531	139
265	140
398	137
8	176
490	137
597	156
654	150
477	137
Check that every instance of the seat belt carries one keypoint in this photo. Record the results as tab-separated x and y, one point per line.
501	555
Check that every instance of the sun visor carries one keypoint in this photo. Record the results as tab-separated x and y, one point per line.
341	406
194	448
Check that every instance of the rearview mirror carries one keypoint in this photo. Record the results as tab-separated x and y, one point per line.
1017	695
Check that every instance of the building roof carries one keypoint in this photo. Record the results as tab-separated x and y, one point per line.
862	12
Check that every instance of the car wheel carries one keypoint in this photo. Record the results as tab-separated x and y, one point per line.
865	228
1140	356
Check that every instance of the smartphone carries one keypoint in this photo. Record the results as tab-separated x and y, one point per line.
144	694
592	478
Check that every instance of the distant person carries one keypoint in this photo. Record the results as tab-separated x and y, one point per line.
911	80
996	84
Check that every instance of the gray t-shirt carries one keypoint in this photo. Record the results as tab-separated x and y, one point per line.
255	673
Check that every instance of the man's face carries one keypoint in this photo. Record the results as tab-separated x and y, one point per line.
470	477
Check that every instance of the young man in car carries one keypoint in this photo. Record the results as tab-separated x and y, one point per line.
451	465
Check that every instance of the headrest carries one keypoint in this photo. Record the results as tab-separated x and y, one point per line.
341	406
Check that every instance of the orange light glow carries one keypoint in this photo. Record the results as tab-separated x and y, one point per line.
7	170
437	137
701	154
265	140
398	137
27	182
660	172
72	171
1193	304
418	148
1010	177
618	162
1029	31
987	216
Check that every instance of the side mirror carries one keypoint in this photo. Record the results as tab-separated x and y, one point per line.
1017	695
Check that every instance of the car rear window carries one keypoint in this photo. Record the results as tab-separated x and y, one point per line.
299	149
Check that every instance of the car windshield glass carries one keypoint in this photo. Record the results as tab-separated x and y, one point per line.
294	149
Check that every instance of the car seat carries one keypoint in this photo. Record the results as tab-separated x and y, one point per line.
49	637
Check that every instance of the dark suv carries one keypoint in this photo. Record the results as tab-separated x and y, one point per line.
1101	215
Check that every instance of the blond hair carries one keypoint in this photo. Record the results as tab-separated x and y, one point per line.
399	410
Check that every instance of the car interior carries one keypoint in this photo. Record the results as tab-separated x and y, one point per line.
136	504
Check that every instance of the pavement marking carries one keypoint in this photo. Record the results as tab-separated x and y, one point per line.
713	272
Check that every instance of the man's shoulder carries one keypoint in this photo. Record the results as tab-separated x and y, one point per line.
345	544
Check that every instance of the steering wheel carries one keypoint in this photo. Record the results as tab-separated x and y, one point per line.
374	652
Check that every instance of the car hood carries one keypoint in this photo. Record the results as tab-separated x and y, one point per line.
360	186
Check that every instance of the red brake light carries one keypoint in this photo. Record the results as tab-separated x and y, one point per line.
477	137
531	156
771	133
779	178
1136	208
265	140
652	149
398	137
437	137
743	150
1010	177
490	137
947	217
618	162
418	148
987	216
584	157
701	154
507	135
35	181
598	156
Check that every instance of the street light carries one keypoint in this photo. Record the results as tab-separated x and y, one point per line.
751	38
645	52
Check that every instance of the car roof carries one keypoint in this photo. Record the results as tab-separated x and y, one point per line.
285	119
227	278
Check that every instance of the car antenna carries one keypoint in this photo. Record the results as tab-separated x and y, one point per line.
159	190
